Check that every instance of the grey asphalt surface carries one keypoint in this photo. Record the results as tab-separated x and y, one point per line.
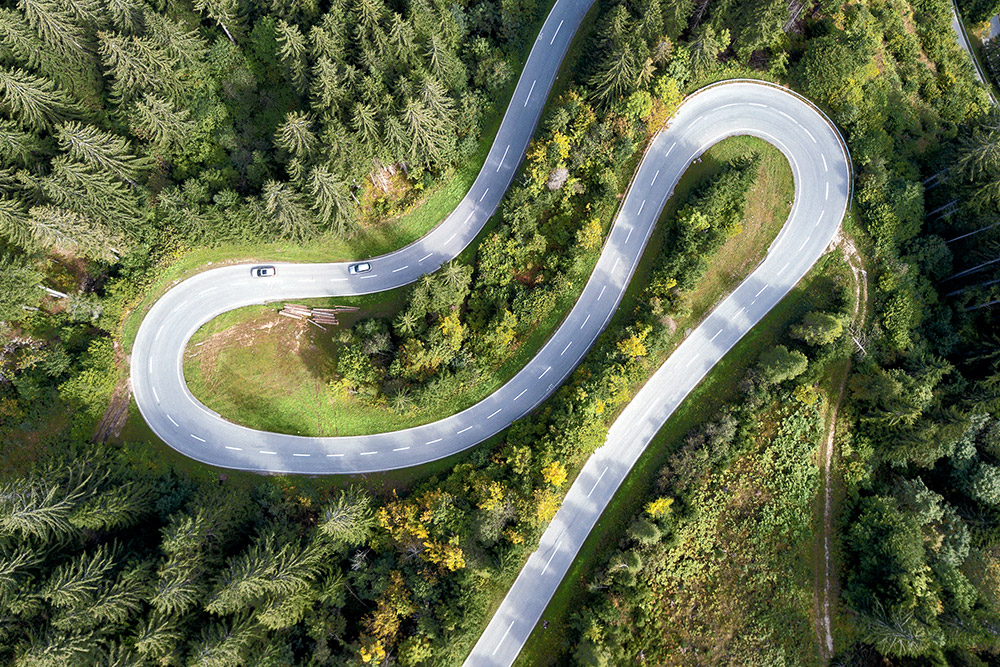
822	175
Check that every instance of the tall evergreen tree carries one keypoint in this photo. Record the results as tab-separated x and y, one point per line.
286	207
100	150
33	101
159	121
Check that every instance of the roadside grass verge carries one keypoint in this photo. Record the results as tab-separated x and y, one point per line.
271	373
547	646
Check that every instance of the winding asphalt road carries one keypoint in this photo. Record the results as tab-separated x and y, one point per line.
822	174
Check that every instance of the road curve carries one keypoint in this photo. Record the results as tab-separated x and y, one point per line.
822	172
822	176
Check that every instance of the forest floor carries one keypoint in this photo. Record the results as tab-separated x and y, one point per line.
298	364
826	585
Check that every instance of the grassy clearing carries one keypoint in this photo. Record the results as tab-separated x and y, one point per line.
235	354
545	647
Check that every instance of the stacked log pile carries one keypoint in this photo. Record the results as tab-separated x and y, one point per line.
316	316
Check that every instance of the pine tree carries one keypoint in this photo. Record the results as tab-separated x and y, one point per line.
15	567
35	508
126	15
33	101
181	43
365	123
428	141
94	194
49	648
76	582
159	121
101	150
18	41
178	587
59	29
284	611
157	637
14	224
138	65
223	12
224	644
705	48
123	599
263	570
52	227
17	147
285	207
25	515
349	519
293	52
119	506
331	199
295	135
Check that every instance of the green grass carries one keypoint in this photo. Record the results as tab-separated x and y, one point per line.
545	647
296	374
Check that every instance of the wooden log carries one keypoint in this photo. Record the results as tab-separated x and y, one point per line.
291	315
317	324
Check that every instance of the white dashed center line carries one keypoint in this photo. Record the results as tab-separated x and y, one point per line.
402	268
654	178
449	239
742	308
598	481
155	395
587	319
804	243
565	348
484	194
172	420
425	257
693	359
494	414
263	451
464	430
551	41
715	336
761	291
520	395
783	268
825	168
641	206
553	555
512	622
197	438
628	236
300	455
329	455
238	449
367	453
400	449
431	442
668	151
544	372
504	157
602	292
529	92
